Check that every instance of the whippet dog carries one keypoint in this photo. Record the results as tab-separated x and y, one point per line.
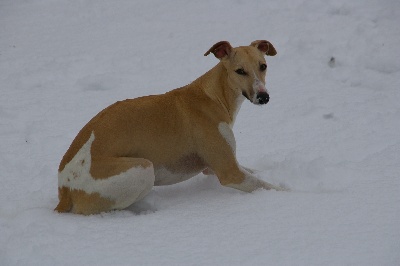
135	144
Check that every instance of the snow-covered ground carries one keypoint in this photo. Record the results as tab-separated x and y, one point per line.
330	131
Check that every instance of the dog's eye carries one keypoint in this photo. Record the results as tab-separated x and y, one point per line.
240	71
263	67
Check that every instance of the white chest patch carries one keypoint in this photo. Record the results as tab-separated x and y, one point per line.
227	133
123	188
239	102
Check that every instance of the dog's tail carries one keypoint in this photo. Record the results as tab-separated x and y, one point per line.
65	204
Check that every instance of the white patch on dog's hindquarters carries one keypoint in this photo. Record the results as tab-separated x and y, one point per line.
124	188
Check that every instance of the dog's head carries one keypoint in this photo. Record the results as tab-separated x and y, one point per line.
246	67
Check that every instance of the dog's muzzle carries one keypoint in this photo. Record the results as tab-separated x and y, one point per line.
262	97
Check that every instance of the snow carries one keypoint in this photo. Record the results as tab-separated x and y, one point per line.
330	131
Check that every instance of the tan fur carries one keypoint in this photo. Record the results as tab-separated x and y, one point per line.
84	203
177	131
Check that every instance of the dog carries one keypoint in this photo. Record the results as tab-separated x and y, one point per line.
135	144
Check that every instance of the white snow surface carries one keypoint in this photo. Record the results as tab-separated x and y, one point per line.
330	132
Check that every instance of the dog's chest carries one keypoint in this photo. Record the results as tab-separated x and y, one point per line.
178	171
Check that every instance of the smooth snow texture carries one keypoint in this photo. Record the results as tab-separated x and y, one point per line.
330	131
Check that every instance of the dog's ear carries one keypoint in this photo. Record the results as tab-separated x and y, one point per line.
265	47
220	49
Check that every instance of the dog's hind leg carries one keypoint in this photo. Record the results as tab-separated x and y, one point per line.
125	180
93	185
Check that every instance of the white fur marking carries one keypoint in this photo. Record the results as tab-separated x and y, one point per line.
251	183
239	102
227	134
258	85
124	188
165	177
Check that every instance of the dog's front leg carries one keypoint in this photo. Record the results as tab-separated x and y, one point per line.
251	183
239	178
208	171
223	163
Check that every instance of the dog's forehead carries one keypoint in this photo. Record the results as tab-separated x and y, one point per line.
247	54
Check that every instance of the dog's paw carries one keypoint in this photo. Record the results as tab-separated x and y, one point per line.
281	187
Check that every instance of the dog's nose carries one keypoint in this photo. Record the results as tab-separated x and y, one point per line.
263	97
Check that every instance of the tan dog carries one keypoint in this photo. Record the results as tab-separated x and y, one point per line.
132	145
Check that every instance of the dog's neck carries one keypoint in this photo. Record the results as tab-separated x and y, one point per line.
215	85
